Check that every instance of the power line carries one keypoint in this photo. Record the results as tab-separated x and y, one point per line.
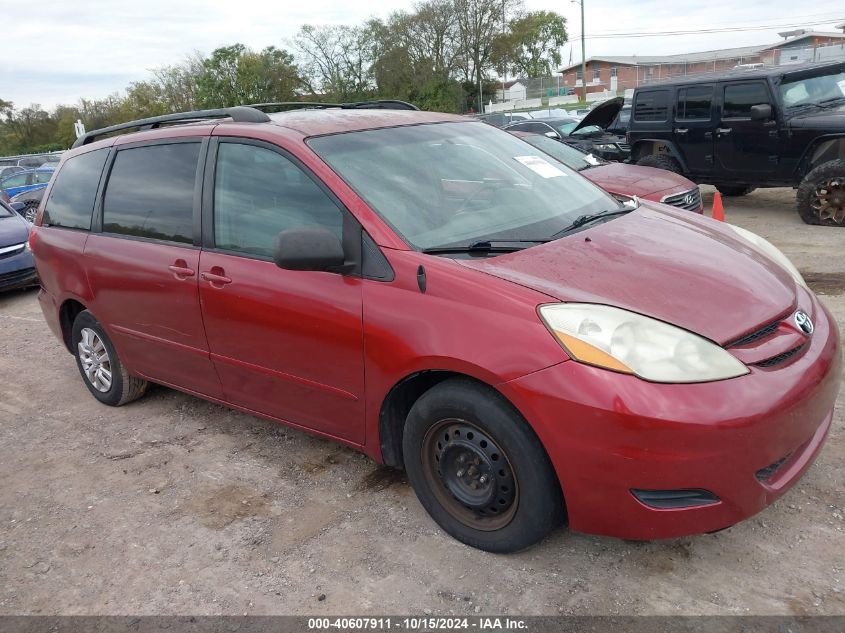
732	29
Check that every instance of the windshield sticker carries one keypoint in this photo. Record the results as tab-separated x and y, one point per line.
540	166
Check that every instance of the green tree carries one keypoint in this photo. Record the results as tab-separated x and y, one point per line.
235	75
531	45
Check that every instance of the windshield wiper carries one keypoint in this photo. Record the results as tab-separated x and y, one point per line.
826	103
583	220
484	246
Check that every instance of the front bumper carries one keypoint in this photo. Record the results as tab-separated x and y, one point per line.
17	271
609	433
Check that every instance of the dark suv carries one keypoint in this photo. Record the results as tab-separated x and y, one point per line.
770	126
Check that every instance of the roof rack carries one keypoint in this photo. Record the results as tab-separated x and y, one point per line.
376	104
239	114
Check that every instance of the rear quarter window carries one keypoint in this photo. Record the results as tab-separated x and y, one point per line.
652	105
150	192
71	201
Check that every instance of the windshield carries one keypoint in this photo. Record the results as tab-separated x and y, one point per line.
569	156
813	90
458	183
5	212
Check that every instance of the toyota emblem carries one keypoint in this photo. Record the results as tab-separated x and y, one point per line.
802	320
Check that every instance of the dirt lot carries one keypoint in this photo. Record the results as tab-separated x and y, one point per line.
173	505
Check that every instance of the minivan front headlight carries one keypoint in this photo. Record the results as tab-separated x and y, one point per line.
631	343
773	252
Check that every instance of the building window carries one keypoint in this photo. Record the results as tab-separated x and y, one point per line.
578	75
613	71
596	73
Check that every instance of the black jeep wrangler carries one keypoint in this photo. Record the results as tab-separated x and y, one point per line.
769	126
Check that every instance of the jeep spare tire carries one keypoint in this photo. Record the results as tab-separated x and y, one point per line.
821	195
661	161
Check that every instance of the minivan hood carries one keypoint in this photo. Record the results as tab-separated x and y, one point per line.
670	265
602	115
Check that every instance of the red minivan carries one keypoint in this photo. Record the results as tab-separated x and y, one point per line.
440	295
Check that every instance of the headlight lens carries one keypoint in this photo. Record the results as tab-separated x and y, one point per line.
630	343
605	147
774	253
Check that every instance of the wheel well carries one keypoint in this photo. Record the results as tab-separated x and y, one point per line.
647	148
825	151
67	315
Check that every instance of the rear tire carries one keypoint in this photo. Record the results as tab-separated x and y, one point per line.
661	161
98	363
734	190
478	468
821	195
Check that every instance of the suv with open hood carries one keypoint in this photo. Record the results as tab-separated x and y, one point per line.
588	134
770	126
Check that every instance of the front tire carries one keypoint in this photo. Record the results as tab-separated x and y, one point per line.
100	367
30	210
821	195
478	468
661	161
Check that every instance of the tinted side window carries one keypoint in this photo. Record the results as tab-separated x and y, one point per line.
15	181
740	97
71	200
41	177
258	193
694	103
652	106
150	192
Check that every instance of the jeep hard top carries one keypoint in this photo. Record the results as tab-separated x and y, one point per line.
766	126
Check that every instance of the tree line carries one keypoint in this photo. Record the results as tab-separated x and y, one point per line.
441	55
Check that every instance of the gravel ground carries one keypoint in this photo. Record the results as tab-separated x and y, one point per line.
173	505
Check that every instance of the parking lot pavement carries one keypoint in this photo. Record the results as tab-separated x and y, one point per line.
174	505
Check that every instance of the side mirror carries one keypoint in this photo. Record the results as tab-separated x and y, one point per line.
308	248
762	112
553	135
18	206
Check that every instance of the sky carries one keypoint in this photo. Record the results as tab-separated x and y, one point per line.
90	48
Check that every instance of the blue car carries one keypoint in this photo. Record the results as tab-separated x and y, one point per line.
17	268
26	180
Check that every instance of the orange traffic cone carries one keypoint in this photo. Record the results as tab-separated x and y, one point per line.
718	209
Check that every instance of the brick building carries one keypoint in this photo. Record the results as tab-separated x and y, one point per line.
623	72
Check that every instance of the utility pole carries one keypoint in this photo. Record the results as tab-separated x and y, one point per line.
583	53
583	50
504	61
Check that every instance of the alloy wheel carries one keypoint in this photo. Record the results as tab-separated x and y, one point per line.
828	200
95	360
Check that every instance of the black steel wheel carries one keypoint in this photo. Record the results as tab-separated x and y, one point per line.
470	474
478	468
821	195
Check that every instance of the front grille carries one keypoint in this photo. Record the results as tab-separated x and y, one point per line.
780	358
11	251
689	200
763	332
764	474
624	147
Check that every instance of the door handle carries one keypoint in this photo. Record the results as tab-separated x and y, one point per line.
681	130
216	277
724	131
180	269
